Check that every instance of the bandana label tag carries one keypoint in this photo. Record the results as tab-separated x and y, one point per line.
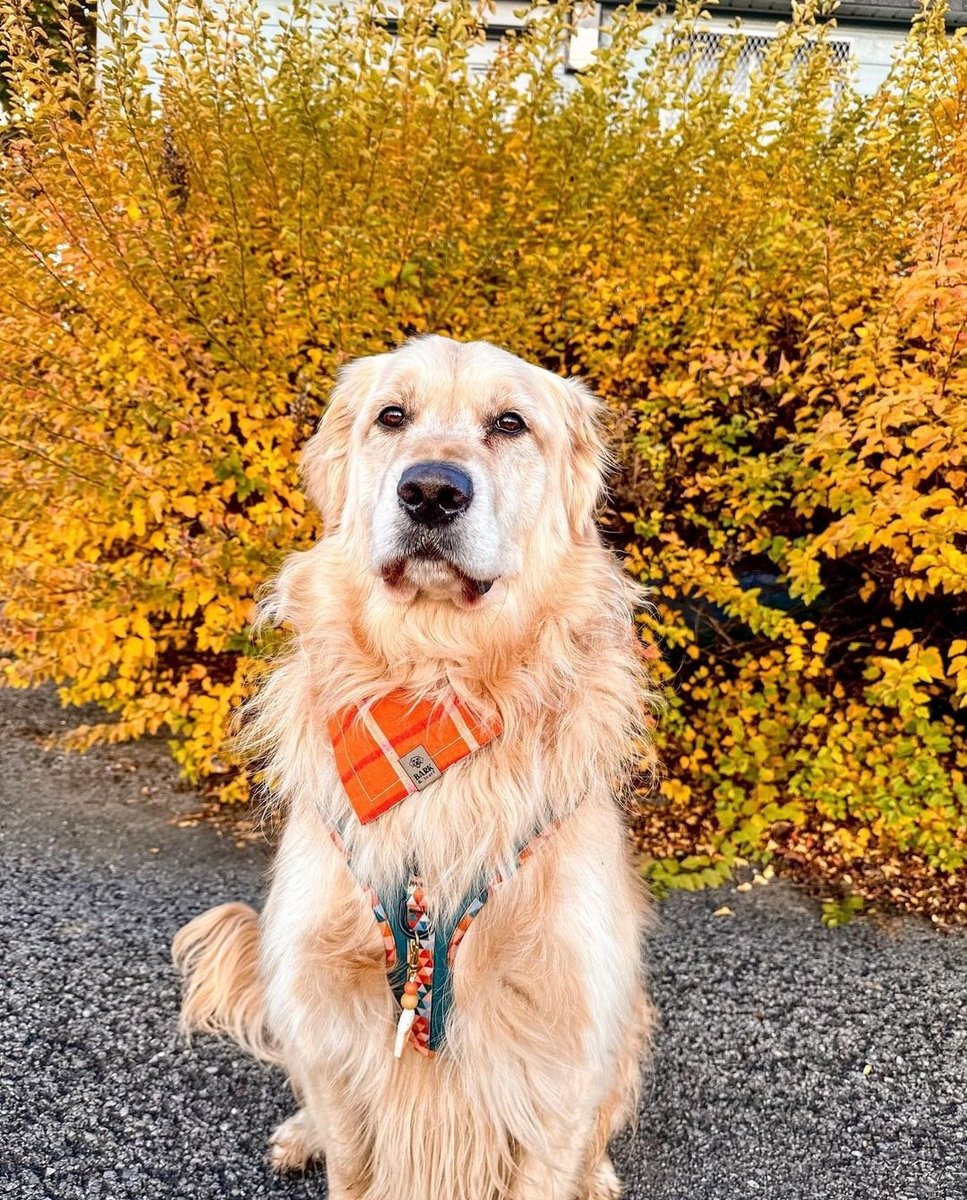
420	767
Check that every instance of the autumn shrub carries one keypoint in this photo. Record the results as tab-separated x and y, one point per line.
768	286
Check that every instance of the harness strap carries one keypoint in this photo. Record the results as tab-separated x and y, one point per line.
423	952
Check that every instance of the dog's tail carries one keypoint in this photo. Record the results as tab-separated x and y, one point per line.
218	956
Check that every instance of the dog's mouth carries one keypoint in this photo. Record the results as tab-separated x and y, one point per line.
398	576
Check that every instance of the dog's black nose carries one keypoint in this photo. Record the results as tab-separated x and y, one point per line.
433	493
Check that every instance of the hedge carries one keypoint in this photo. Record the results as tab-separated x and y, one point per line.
768	287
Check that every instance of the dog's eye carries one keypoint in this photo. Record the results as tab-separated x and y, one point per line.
393	417
510	422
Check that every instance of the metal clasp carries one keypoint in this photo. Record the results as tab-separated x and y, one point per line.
413	954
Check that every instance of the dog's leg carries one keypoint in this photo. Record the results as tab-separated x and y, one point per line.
601	1182
293	1146
555	1177
567	1174
332	1127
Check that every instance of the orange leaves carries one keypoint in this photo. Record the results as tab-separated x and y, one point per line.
769	295
800	462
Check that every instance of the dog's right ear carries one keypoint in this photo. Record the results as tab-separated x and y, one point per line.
325	459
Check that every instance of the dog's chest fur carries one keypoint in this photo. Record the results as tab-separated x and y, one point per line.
526	981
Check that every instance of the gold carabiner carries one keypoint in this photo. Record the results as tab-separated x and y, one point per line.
413	954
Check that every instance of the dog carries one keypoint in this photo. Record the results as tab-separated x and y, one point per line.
460	569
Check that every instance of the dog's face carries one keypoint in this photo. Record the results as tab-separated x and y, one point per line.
452	466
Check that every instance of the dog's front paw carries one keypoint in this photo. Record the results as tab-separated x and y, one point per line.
604	1183
290	1146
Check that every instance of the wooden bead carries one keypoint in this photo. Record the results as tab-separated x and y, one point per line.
409	1000
411	987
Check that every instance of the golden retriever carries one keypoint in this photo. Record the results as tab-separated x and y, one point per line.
486	583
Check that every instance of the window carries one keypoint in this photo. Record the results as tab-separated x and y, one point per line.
704	50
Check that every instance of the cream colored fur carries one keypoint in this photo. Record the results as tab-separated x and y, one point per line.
218	955
550	1017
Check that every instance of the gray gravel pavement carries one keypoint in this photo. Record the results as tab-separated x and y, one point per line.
792	1062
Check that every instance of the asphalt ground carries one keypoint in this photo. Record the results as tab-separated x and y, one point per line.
792	1061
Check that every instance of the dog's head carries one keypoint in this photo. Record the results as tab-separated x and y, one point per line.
446	468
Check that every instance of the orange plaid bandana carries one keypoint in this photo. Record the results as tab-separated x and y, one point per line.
397	746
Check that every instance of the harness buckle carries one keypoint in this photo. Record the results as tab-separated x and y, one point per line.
413	953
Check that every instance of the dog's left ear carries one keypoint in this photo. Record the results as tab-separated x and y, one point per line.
325	459
588	457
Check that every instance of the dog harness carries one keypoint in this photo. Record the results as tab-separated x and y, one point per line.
385	752
420	954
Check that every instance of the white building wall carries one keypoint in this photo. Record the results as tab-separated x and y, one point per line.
873	53
872	48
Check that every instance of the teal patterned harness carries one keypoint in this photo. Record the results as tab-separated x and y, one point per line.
417	947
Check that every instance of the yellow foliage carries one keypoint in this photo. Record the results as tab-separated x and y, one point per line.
768	290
